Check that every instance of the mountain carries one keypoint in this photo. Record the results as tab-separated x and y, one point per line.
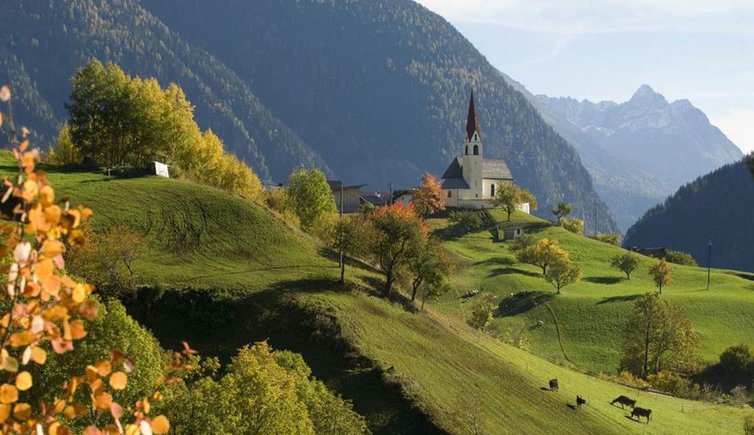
717	206
627	189
379	89
641	150
42	42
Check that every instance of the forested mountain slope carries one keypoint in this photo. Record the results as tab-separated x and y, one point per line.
717	206
379	89
42	42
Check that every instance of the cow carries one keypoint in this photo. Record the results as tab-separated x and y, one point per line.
580	401
624	400
553	385
641	412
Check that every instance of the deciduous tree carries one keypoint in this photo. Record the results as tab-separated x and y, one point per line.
626	263
431	266
561	273
509	196
542	254
575	226
309	196
661	274
658	336
563	210
429	197
399	233
482	310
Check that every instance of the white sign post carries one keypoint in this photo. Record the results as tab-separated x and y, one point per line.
161	170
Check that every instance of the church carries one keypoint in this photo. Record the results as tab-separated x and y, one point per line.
471	180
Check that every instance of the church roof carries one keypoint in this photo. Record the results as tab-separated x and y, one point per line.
454	183
495	169
472	123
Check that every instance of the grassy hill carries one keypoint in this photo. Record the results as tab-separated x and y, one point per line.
232	273
592	312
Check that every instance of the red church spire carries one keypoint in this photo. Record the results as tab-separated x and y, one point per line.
472	124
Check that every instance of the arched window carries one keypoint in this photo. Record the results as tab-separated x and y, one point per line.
450	193
467	150
492	190
476	150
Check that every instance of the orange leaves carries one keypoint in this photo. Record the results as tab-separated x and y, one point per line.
8	393
160	425
103	400
118	381
104	367
24	338
22	411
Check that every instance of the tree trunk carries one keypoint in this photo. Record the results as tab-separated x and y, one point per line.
342	272
389	283
416	284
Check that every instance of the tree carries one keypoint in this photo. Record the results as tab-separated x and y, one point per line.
309	196
563	210
658	336
575	226
626	263
465	221
353	236
542	254
521	243
509	196
399	233
431	266
263	391
661	274
429	197
562	273
481	311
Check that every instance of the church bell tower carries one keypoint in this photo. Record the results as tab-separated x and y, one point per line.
472	152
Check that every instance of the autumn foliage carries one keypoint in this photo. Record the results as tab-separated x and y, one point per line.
43	310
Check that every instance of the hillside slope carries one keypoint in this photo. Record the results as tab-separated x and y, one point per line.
42	42
583	325
231	273
379	89
717	206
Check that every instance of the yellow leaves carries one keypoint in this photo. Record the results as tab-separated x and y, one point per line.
160	425
22	411
79	293
30	190
118	381
47	195
23	381
38	355
8	393
56	313
52	248
104	367
77	330
4	412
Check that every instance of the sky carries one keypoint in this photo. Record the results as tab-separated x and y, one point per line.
700	50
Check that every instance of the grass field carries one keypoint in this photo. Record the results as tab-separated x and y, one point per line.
254	278
592	312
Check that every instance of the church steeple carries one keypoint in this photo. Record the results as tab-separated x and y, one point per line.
472	124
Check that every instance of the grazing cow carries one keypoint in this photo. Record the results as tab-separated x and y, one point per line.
580	401
553	385
624	400
641	412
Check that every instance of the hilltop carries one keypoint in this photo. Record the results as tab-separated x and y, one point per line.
254	278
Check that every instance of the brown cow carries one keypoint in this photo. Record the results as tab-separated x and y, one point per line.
641	412
624	400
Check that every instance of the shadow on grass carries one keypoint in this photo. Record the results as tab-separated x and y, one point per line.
522	302
611	299
604	279
635	421
511	271
218	322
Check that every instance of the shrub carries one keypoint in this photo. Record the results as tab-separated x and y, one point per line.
465	221
737	359
481	311
739	395
674	384
575	226
521	243
679	257
749	424
610	238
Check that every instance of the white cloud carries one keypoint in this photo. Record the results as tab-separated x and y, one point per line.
726	16
738	125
